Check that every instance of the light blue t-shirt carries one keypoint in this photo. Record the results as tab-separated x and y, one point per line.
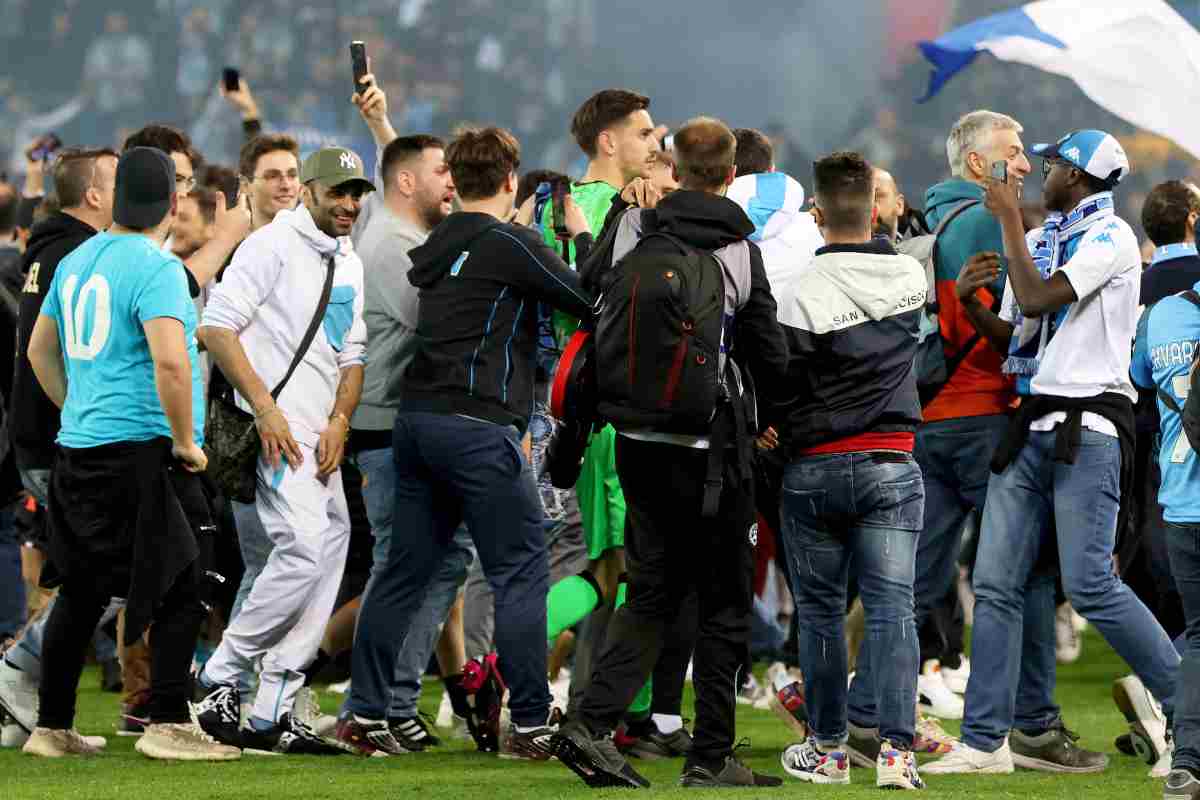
1167	338
101	295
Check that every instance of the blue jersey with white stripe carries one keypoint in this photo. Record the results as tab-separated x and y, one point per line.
1165	349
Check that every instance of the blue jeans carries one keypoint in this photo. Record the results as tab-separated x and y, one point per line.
1183	548
867	507
954	457
1033	504
379	496
12	584
450	470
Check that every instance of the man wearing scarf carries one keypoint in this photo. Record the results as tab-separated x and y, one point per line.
1058	478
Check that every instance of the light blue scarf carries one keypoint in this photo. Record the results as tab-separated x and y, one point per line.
1060	235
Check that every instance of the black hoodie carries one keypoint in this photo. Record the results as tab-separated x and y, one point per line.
35	418
480	282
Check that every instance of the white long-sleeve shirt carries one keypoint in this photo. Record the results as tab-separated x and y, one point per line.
268	296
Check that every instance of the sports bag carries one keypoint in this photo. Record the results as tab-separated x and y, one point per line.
659	334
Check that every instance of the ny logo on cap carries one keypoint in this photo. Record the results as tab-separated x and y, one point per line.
346	160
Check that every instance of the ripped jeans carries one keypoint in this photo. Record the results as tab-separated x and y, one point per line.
869	508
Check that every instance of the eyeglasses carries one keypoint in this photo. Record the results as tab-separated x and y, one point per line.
1049	164
188	182
275	175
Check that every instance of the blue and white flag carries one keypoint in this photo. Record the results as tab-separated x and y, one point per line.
1138	59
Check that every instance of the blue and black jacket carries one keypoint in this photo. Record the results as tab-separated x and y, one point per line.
480	282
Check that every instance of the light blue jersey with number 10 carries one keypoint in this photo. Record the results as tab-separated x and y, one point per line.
1167	338
102	294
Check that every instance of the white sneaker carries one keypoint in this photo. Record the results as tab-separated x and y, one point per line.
1147	723
806	762
896	769
58	742
1162	767
183	742
1068	645
956	679
933	697
18	696
340	688
307	709
965	759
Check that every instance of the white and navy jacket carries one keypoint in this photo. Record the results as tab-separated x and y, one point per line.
851	319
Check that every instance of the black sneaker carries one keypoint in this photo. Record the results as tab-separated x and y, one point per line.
413	734
732	773
289	737
654	744
134	721
1054	750
594	759
862	746
368	738
218	712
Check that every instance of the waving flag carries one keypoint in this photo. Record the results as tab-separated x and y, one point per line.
1138	59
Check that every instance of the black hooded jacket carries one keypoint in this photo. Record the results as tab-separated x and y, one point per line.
480	282
35	419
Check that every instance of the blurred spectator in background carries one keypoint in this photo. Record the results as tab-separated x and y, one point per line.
117	68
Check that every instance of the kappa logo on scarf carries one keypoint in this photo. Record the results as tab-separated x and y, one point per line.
753	537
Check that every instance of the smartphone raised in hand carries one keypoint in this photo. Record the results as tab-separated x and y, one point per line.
1000	171
44	147
230	187
232	78
559	190
358	61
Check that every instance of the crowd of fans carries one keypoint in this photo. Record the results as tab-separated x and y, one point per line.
292	415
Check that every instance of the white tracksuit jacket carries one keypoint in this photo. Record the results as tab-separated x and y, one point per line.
268	295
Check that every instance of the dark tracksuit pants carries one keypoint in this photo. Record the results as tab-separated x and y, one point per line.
670	551
452	469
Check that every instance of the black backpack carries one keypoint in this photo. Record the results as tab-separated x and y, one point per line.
659	334
1190	411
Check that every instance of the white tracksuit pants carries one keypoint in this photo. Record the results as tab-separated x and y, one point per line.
283	619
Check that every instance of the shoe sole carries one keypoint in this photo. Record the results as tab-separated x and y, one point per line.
131	734
785	716
812	777
1029	762
592	774
147	748
931	769
1149	748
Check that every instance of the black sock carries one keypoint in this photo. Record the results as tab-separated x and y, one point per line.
319	663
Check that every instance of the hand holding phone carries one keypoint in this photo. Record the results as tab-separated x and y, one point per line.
558	213
43	147
358	62
1000	171
230	187
232	78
